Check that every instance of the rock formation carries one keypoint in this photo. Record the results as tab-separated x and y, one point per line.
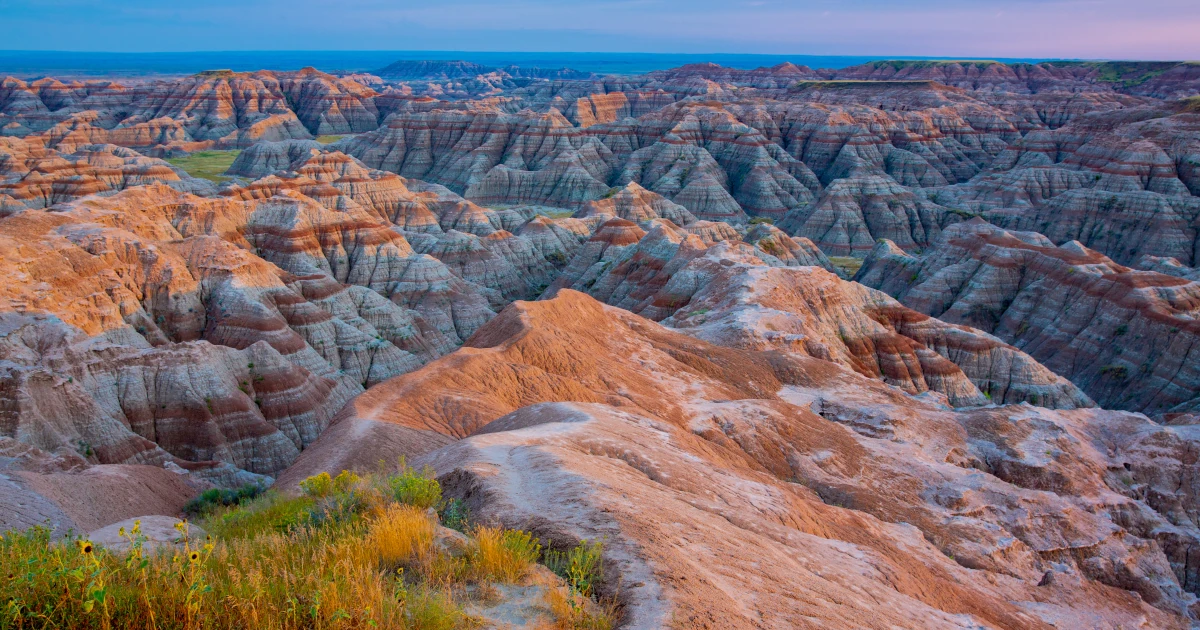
1126	337
575	296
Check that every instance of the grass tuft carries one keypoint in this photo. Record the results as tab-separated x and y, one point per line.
400	534
502	555
572	611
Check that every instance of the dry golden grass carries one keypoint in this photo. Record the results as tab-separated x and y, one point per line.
573	611
503	555
305	578
345	555
398	534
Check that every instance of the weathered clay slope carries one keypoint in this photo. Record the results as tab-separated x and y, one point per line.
571	417
1128	338
65	493
830	168
896	150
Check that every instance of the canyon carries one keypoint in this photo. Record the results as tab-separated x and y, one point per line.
923	335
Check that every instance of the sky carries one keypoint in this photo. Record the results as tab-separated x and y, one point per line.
1074	29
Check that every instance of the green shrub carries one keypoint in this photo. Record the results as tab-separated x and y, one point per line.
323	485
414	488
1118	372
317	485
221	497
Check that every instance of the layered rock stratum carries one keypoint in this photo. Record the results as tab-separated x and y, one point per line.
921	334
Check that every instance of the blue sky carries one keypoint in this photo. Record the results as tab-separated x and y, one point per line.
1141	29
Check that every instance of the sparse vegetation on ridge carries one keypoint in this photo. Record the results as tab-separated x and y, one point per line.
854	83
345	553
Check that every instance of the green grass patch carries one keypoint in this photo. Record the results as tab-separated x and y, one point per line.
847	264
210	165
272	512
331	138
556	214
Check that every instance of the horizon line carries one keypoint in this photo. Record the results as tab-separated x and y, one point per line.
998	59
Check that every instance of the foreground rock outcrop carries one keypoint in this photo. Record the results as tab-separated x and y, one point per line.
567	418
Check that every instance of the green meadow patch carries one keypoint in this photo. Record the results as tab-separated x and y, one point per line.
210	165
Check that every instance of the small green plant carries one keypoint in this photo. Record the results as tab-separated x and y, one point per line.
1116	372
1122	329
580	567
430	610
455	515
